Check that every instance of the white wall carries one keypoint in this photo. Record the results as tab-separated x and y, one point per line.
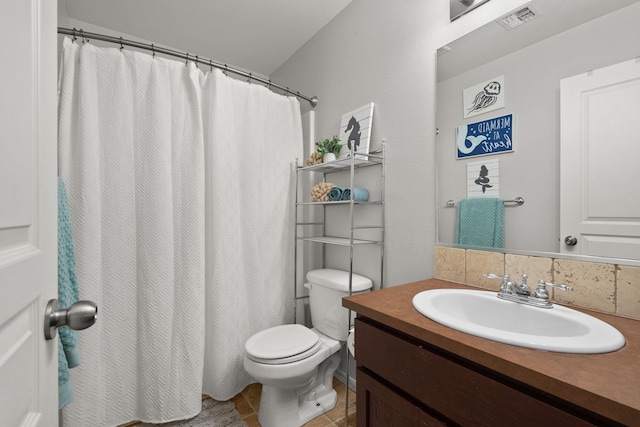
532	87
384	51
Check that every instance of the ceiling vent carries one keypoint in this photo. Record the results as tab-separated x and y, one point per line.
518	17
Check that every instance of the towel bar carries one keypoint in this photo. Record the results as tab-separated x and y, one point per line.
518	201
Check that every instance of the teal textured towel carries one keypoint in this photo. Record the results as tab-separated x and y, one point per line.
359	194
480	222
67	295
336	193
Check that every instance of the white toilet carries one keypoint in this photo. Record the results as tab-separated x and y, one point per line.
296	364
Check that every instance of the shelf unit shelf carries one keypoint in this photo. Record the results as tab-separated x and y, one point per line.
354	161
339	241
339	202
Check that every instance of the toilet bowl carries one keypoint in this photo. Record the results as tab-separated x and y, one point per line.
295	364
295	387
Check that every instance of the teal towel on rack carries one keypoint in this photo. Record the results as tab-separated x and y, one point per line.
67	295
336	193
359	194
480	222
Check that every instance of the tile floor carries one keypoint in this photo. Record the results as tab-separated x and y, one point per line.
248	400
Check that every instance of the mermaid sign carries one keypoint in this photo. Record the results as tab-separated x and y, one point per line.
493	136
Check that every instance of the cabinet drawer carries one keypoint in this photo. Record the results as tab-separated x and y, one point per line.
445	385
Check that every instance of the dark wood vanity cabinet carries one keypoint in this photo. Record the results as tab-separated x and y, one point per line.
404	382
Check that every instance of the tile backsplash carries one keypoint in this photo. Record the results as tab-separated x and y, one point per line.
607	288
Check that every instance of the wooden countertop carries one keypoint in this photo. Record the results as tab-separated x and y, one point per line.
607	384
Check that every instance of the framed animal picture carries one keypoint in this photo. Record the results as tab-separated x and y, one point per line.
483	178
483	97
355	131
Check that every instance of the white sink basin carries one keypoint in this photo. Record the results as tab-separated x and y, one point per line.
483	314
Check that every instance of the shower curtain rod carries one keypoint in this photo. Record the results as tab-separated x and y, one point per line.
182	55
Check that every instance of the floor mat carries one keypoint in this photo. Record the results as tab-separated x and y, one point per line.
214	414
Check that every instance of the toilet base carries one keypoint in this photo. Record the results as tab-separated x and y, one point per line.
311	409
293	407
281	408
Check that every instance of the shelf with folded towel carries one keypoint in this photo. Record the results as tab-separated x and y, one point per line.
518	201
339	241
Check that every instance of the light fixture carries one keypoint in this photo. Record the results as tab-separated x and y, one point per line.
457	8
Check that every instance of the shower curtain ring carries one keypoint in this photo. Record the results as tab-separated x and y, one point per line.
75	36
121	45
249	79
187	61
153	51
196	62
211	65
226	70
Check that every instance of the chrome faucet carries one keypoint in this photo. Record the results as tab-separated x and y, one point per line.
520	293
510	287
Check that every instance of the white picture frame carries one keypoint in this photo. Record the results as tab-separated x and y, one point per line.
483	97
483	178
355	130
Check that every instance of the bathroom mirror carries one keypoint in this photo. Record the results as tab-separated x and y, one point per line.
531	50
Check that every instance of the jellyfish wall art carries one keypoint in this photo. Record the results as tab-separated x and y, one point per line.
483	97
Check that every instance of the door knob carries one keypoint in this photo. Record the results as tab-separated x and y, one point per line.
78	316
570	241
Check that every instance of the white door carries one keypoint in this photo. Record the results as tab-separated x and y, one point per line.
28	212
600	162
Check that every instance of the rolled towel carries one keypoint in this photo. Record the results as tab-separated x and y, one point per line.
359	194
336	193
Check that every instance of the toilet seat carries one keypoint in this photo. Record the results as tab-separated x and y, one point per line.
282	344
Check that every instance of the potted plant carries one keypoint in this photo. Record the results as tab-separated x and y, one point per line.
329	149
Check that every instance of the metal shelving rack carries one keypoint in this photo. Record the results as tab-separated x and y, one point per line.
353	162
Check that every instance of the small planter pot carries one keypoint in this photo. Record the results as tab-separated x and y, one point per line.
328	157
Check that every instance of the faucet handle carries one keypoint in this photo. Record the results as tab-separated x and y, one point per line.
562	287
506	282
495	276
541	290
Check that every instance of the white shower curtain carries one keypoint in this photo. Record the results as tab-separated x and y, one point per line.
250	138
185	250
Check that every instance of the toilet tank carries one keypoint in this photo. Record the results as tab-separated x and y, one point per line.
327	287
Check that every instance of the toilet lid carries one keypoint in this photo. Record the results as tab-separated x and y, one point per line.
282	344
